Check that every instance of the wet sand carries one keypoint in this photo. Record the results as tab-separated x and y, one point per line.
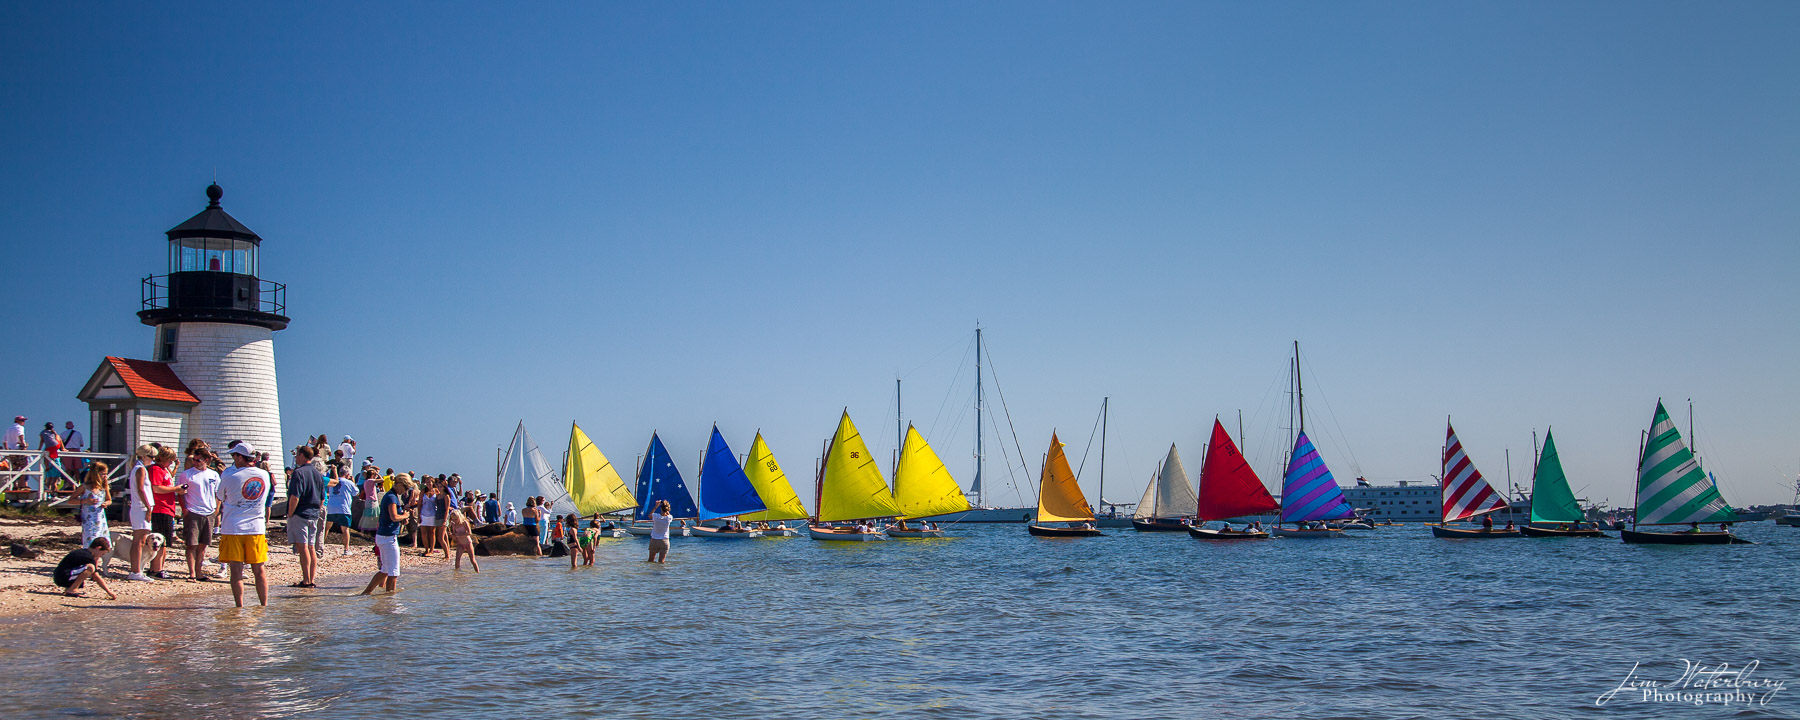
26	588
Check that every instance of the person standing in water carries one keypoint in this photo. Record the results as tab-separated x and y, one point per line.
659	532
242	523
392	519
459	527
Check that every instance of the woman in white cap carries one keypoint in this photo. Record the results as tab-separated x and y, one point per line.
138	512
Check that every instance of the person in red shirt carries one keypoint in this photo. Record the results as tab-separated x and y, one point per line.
167	507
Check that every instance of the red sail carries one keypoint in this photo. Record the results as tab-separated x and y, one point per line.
1228	487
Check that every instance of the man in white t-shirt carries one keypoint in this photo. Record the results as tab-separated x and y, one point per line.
73	442
241	522
15	435
659	532
348	448
198	503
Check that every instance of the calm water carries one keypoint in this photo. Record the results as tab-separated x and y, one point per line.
1392	624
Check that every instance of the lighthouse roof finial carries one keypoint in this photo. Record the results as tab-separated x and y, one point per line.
213	222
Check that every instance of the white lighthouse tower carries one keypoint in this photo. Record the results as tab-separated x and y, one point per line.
215	321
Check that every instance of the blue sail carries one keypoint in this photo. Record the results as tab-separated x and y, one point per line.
724	489
1308	491
659	480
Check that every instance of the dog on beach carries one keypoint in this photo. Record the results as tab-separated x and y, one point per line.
121	548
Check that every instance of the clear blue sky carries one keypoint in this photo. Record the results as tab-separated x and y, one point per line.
661	215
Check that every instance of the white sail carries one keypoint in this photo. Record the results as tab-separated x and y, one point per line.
1171	495
526	474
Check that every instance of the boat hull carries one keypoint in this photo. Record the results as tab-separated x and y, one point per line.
1788	520
1158	525
1300	534
1204	534
914	534
1682	538
1472	533
1553	532
1020	515
843	535
1041	531
777	531
713	534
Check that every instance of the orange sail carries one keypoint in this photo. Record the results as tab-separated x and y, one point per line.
1228	487
1059	496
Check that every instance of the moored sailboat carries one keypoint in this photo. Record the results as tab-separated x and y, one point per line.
1060	499
1554	510
724	492
593	484
923	488
1228	489
1310	496
851	489
658	479
777	494
1464	494
1673	490
1169	499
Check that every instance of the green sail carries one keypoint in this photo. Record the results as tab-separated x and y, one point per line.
1551	499
1672	489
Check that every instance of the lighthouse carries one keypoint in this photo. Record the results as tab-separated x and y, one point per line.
212	369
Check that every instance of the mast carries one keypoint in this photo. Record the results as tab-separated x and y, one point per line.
1240	428
499	468
1103	403
1693	442
899	431
1643	437
1299	387
819	476
979	457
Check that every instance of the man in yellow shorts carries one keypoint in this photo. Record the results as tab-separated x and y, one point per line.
242	489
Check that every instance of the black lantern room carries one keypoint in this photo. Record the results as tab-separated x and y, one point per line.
213	275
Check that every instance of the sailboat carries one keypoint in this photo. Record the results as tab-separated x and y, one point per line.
1673	490
1168	501
725	491
1228	489
1060	499
593	484
658	479
1464	494
524	473
850	488
1309	494
1552	502
773	488
923	488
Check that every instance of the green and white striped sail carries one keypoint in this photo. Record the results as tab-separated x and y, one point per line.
1672	489
1551	499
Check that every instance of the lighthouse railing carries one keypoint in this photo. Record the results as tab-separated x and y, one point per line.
26	471
271	296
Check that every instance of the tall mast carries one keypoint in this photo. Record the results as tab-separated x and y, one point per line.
1693	442
1240	430
899	431
1103	403
1299	388
979	456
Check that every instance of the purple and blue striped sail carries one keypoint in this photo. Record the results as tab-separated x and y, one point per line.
1308	491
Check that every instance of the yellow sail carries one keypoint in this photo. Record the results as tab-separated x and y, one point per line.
590	478
922	485
771	485
853	488
1059	496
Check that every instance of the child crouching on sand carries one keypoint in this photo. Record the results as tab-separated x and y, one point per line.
461	538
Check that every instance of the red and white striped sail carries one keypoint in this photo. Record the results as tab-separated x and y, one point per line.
1464	492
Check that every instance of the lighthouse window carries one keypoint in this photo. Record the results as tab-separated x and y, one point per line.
165	343
214	255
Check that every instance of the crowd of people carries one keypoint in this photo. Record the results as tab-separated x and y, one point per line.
203	499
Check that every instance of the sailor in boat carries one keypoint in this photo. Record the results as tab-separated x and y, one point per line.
901	525
1509	526
1227	527
1694	527
1255	526
1487	523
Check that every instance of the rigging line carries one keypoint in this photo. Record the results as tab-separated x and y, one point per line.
933	359
1342	439
956	424
1090	446
1006	461
950	390
1008	411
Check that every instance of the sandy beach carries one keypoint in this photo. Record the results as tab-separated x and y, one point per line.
25	586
